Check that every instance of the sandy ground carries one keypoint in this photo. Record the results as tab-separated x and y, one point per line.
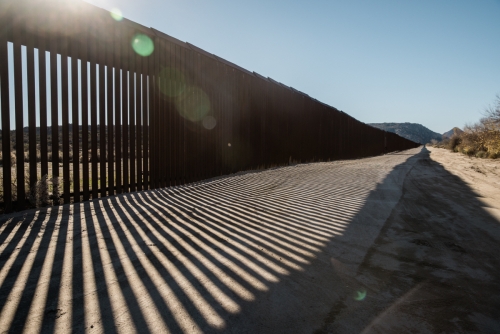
405	242
481	175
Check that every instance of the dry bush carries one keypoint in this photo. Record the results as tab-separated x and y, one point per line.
57	185
493	112
481	154
481	139
39	194
453	142
493	155
14	188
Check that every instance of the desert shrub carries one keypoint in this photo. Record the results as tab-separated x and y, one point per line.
453	142
39	194
14	188
27	190
467	150
483	136
481	139
493	112
481	154
12	159
56	190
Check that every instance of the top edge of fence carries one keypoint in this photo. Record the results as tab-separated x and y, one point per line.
233	65
329	106
277	82
137	26
169	38
285	86
260	76
201	51
272	80
300	92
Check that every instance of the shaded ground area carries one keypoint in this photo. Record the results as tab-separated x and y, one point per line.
386	244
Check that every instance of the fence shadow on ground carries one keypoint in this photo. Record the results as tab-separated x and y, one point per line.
256	252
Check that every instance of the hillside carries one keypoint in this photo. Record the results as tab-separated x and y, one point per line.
412	131
448	134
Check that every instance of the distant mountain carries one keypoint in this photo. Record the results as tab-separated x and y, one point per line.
412	131
450	133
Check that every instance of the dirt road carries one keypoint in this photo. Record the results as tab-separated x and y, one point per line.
395	243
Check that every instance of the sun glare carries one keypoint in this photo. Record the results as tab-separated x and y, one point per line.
116	14
142	45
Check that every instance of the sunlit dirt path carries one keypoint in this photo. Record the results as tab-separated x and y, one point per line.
292	249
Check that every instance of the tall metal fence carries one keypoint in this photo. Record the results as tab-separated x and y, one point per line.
99	105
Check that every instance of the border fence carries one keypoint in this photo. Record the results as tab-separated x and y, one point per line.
99	105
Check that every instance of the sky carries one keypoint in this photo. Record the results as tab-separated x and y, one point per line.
433	62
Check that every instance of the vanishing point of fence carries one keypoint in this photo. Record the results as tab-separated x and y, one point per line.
101	105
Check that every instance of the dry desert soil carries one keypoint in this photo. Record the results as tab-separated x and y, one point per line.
404	242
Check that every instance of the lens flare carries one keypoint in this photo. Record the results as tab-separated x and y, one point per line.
193	104
116	14
209	122
172	82
142	45
360	295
